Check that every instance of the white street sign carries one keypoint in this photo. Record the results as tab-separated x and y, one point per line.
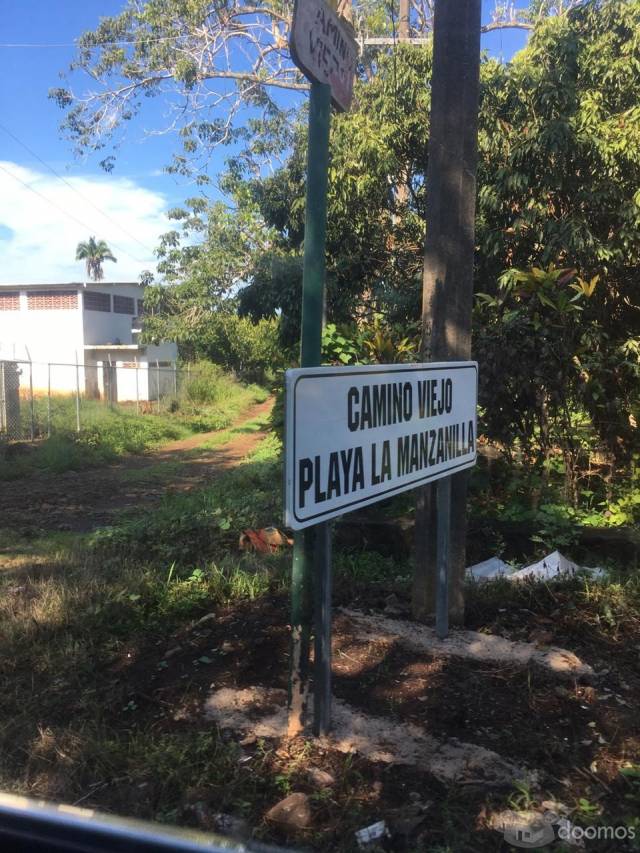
324	49
357	435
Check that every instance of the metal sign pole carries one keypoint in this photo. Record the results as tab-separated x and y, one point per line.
313	280
443	537
322	631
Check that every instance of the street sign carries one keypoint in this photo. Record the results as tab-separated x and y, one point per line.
358	435
324	49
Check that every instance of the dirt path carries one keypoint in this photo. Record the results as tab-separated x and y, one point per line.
81	501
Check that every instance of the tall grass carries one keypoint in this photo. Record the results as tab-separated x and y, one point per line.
210	400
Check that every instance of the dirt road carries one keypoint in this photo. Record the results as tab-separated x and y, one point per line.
84	500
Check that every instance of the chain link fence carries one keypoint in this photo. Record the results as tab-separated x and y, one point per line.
38	399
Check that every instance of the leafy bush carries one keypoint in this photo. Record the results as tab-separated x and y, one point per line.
237	343
377	342
206	383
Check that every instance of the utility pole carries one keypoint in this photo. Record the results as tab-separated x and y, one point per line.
447	295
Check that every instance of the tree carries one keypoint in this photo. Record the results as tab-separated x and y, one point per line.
447	294
559	174
217	66
94	253
558	178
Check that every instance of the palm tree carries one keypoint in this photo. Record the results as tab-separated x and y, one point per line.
94	252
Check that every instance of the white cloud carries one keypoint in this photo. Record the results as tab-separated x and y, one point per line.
38	241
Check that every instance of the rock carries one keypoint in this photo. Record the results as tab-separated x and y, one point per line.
205	619
174	651
320	778
291	814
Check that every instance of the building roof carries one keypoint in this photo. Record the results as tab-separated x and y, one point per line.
70	284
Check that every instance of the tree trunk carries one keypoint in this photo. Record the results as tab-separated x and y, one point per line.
403	20
447	294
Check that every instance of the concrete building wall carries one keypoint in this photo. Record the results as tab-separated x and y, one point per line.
44	334
134	372
101	327
33	325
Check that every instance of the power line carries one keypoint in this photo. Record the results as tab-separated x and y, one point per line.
62	210
123	43
76	191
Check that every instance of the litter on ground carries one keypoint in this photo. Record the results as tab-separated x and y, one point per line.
554	565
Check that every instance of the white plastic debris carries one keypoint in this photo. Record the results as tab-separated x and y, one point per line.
489	569
371	834
548	567
554	565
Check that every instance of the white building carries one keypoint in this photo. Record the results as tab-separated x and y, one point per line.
97	326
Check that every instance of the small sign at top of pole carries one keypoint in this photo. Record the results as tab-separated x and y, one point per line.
323	47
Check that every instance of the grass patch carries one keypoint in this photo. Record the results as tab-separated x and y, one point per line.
70	634
186	528
213	403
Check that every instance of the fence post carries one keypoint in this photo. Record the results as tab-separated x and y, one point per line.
77	394
137	386
158	382
175	379
31	409
110	375
48	399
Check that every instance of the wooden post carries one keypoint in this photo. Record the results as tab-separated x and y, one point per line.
447	295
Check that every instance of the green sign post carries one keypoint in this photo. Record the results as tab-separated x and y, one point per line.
323	47
306	542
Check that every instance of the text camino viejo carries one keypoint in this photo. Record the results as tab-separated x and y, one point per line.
371	406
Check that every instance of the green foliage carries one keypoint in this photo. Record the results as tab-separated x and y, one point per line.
94	253
377	342
210	401
251	350
558	178
186	529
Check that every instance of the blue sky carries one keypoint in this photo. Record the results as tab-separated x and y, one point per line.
36	237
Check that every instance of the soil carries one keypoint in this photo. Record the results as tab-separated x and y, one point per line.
574	736
81	501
